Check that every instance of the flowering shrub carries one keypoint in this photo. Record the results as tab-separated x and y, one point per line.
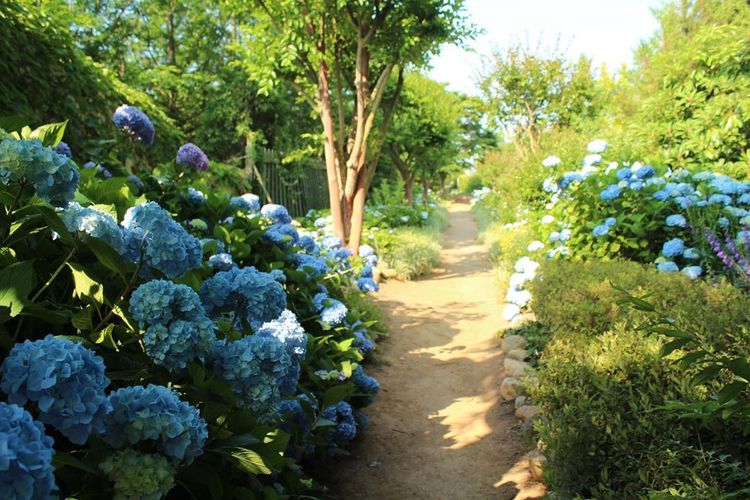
187	343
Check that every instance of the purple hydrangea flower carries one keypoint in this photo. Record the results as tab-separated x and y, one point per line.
190	155
135	122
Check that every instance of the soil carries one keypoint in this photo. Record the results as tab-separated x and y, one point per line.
438	429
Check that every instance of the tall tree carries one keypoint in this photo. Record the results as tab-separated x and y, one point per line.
340	55
425	133
527	93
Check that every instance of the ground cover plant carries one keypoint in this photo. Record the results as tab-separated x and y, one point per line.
160	341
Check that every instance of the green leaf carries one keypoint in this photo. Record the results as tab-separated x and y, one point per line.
706	374
337	393
84	285
739	367
51	134
249	461
669	347
16	282
61	459
105	337
108	256
731	391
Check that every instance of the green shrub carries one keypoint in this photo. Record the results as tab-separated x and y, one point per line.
410	252
603	436
578	297
468	183
611	427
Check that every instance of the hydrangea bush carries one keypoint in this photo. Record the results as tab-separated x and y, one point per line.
155	344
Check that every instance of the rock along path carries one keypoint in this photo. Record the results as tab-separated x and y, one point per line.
438	429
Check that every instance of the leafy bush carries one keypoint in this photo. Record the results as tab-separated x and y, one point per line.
610	427
578	297
469	182
410	252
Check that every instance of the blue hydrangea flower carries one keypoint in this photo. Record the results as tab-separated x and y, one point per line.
221	262
283	235
366	251
247	201
720	199
551	162
300	411
179	343
62	148
365	383
331	242
722	222
736	212
549	185
135	122
195	196
54	176
331	310
610	221
676	220
276	213
159	302
64	379
136	181
278	275
597	146
144	476
190	155
307	244
287	330
313	266
346	428
691	254
661	195
26	470
744	199
624	174
673	247
611	192
644	172
601	230
569	178
160	241
361	340
367	285
692	272
565	234
667	267
95	223
156	414
249	294
255	368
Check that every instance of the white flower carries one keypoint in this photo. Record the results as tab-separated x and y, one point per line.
511	312
551	162
535	246
424	215
548	219
597	146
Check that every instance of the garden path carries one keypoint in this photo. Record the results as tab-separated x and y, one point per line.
438	429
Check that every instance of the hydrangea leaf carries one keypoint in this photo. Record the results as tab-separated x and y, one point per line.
16	282
84	285
105	337
249	461
49	135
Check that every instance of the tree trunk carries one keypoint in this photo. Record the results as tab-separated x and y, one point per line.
425	189
358	215
329	152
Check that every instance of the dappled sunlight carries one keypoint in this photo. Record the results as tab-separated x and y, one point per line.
466	420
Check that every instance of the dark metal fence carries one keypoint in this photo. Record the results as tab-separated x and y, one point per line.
298	189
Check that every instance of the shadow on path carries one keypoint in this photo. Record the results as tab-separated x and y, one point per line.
438	429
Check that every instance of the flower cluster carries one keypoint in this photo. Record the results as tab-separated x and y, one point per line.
287	330
135	122
95	223
177	328
248	202
190	155
157	415
26	469
342	415
365	383
277	214
64	379
221	262
255	368
249	294
603	229
195	196
54	176
517	297
331	310
62	148
160	241
138	475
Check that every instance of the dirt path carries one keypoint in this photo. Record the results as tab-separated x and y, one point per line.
437	429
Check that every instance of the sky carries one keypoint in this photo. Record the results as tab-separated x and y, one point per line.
606	31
